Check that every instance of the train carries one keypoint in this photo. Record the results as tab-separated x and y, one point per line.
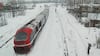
26	35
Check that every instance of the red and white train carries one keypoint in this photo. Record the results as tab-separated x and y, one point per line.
25	36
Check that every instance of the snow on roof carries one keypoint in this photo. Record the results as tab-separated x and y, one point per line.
89	5
94	16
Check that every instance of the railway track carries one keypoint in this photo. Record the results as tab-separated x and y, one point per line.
6	42
77	32
64	36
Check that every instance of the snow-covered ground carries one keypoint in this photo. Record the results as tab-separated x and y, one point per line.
62	35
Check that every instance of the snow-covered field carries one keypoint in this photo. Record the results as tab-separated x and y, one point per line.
62	35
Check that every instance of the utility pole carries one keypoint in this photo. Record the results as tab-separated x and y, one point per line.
13	4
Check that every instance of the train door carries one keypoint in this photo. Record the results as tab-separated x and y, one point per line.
37	26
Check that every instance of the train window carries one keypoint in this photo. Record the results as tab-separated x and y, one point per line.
20	36
36	28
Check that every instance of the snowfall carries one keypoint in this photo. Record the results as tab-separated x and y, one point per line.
62	34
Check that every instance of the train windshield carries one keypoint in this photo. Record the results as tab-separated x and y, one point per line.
20	36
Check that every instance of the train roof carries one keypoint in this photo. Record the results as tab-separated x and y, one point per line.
90	5
36	21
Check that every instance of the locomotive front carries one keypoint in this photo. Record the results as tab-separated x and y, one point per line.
22	39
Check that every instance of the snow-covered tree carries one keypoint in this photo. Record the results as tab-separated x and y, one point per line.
3	21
